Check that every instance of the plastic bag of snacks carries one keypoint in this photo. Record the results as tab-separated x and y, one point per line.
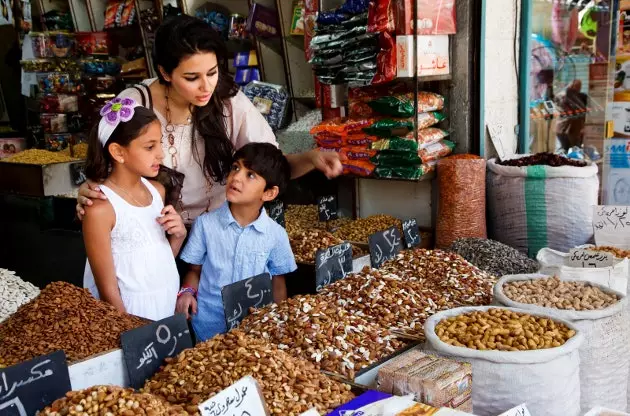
342	126
271	100
381	16
401	105
359	140
462	201
386	63
396	158
390	127
396	143
436	151
358	98
357	153
430	135
358	167
413	172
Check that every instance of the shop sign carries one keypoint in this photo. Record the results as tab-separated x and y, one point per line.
327	208
332	264
589	259
276	212
384	245
611	226
411	233
145	348
242	398
238	297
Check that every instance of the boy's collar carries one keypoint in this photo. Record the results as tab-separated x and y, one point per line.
226	218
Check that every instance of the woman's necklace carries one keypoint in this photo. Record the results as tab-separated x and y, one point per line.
138	203
170	129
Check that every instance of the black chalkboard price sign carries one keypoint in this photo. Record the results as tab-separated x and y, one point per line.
145	348
411	233
238	297
275	210
332	264
384	245
28	387
327	208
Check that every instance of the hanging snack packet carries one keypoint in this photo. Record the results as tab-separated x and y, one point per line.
436	151
402	172
386	60
358	167
401	105
390	127
381	16
329	142
357	153
396	143
430	135
396	158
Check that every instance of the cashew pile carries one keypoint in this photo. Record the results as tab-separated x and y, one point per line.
555	293
503	330
14	292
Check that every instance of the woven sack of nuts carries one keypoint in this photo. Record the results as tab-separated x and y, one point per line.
547	379
531	207
598	313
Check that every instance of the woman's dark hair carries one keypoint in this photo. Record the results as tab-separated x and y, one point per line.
182	36
99	160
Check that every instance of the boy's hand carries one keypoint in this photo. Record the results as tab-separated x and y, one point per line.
172	222
185	303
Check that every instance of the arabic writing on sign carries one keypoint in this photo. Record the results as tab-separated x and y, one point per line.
255	298
338	250
9	387
230	402
164	337
240	399
13	407
612	217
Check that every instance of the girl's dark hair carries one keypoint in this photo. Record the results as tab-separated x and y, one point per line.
99	160
182	36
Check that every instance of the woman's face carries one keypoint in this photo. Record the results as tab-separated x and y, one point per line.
196	77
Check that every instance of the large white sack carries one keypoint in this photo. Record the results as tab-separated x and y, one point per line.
541	206
605	352
548	380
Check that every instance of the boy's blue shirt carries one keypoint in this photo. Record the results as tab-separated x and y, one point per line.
229	253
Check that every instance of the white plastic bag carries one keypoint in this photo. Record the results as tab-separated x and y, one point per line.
541	206
604	354
548	380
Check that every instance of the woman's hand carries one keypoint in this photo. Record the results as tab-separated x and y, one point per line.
185	303
87	192
172	223
327	162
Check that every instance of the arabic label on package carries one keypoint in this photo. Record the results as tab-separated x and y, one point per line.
242	398
611	226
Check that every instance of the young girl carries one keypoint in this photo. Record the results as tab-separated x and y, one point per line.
131	261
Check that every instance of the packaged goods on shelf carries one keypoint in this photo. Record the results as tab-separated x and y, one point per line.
271	100
432	56
396	143
11	146
289	385
14	292
359	98
429	136
436	151
342	126
373	403
494	257
402	105
389	127
433	18
93	43
63	317
245	59
411	172
363	168
598	312
381	17
59	82
396	158
263	22
543	371
244	76
58	103
52	44
57	142
558	219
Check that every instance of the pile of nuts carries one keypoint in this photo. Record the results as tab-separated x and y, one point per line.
361	229
561	294
305	244
289	386
14	292
617	252
312	328
544	158
503	330
300	218
79	150
110	400
63	317
38	157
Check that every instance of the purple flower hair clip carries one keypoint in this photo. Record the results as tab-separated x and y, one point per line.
115	111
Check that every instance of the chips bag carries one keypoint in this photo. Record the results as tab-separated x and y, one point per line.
436	151
396	158
401	105
342	126
358	167
396	143
390	127
430	135
413	172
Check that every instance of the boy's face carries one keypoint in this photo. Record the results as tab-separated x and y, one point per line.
244	186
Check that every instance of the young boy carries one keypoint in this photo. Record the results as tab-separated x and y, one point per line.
238	240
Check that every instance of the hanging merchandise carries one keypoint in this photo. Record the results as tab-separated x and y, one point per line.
119	13
263	22
462	199
529	207
598	312
381	16
271	100
297	22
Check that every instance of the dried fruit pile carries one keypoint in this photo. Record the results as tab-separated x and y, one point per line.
305	244
63	317
544	158
289	386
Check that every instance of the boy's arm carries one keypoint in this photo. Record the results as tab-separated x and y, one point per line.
186	301
279	288
171	221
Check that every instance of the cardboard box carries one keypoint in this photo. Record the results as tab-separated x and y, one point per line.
433	56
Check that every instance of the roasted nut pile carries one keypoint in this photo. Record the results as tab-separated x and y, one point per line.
305	244
110	401
63	317
494	257
80	150
561	294
313	328
503	330
305	217
360	229
38	157
290	387
14	292
617	252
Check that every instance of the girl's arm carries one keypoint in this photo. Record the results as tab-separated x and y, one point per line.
171	222
97	228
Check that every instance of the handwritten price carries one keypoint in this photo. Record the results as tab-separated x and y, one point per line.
163	336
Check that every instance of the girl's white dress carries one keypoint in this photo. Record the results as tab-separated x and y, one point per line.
145	266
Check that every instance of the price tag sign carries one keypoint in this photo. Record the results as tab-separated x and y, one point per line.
584	258
411	233
77	173
242	398
611	226
520	410
275	210
327	208
145	348
28	387
332	264
238	297
384	245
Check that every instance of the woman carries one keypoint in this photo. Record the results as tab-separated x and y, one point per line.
204	117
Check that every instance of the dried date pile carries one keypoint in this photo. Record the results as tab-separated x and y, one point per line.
543	158
316	329
494	257
289	386
305	244
14	292
63	317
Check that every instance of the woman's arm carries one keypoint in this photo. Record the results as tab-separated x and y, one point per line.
97	228
327	162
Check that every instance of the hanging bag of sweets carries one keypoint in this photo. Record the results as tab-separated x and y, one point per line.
462	201
598	312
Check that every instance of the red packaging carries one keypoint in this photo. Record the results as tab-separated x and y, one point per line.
333	113
310	20
386	60
311	6
381	16
357	153
318	92
434	17
358	167
93	43
359	140
359	97
333	96
342	126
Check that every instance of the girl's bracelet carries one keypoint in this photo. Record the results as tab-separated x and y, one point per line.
187	289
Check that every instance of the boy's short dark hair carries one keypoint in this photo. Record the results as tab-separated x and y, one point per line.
267	161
